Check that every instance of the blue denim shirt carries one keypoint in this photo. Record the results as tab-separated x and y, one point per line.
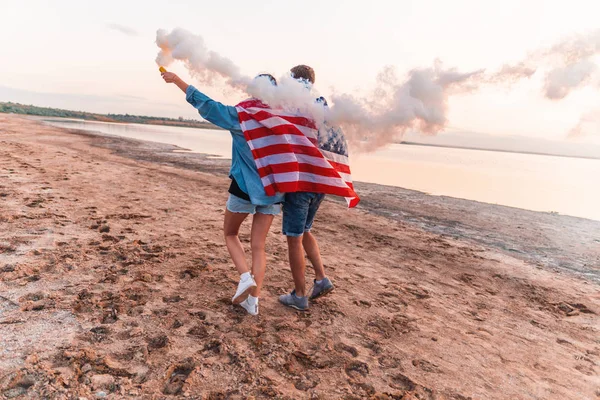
243	169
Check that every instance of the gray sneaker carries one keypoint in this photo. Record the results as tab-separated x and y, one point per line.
291	300
321	289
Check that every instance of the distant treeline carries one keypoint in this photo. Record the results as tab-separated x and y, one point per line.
17	108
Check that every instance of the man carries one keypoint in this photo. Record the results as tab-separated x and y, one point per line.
299	210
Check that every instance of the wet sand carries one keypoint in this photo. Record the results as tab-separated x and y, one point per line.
115	282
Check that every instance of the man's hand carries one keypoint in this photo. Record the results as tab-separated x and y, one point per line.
170	77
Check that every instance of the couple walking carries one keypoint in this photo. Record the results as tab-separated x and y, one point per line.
279	161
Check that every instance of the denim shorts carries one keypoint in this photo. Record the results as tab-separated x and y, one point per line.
299	210
238	205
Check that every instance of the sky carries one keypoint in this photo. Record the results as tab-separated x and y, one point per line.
99	56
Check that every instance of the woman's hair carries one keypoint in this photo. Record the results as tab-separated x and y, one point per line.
271	78
303	72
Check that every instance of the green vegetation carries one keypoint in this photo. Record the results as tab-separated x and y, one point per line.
16	108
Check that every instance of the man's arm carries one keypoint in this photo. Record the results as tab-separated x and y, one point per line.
223	116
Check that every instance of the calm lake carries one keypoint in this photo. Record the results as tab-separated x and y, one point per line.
536	182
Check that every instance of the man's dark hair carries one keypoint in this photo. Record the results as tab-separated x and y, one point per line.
271	78
303	72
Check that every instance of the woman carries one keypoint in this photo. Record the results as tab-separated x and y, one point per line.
246	195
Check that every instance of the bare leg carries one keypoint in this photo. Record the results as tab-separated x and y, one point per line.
297	264
258	237
314	255
231	228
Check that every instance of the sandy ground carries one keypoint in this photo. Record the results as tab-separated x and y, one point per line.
115	283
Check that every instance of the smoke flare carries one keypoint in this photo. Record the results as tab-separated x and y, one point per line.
371	121
419	102
204	65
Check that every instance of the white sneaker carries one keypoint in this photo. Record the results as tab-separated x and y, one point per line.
251	308
243	290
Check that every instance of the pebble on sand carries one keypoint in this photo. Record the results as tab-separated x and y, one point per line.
103	381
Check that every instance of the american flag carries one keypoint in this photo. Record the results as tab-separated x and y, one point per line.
291	155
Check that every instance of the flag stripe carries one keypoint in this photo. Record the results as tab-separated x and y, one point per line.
284	158
285	148
334	157
257	131
302	167
302	186
262	115
305	177
272	140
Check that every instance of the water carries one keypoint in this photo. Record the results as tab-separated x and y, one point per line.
542	183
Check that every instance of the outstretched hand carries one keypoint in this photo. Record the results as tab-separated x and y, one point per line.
170	77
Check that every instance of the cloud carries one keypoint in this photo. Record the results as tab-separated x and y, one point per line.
123	29
589	124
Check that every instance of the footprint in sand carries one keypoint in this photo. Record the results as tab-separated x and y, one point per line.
157	342
177	375
572	309
402	382
357	369
426	366
342	347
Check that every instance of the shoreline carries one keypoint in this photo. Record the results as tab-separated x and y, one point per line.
115	282
576	249
203	155
549	210
28	110
497	150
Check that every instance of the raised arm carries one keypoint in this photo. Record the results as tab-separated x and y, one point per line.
223	116
170	77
